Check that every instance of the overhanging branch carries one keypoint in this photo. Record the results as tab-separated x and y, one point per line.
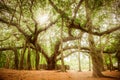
14	24
77	26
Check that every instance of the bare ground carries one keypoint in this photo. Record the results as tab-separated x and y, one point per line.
9	74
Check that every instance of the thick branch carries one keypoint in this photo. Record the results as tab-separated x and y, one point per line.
9	48
77	26
48	26
72	53
70	38
75	47
5	39
32	15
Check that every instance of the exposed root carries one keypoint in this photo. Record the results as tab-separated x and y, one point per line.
116	78
104	76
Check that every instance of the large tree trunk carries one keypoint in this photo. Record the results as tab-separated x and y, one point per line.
97	64
96	58
51	63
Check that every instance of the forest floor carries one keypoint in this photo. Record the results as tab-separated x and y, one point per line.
9	74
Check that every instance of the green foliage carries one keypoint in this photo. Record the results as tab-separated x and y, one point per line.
42	59
97	4
114	43
107	59
2	59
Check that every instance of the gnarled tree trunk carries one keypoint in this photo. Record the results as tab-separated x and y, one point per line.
51	63
96	58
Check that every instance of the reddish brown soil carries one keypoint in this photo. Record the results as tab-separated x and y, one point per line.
8	74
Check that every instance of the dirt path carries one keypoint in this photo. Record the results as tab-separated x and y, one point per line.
7	74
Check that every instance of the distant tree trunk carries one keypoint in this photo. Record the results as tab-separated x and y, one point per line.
28	58
111	63
119	64
7	61
21	61
89	63
16	60
79	48
62	57
118	59
22	57
37	61
37	58
62	62
79	62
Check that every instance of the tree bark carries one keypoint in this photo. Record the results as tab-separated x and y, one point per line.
51	63
95	56
101	51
